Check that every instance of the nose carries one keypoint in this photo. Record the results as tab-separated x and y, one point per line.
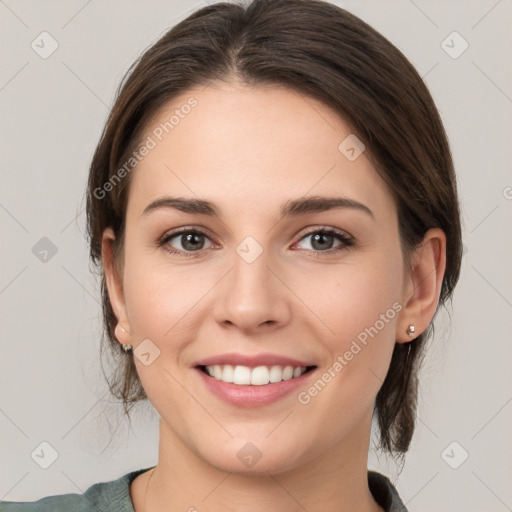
251	297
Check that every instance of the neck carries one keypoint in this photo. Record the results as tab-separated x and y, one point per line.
332	481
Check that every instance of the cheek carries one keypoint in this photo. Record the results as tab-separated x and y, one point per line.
160	306
166	304
354	296
147	302
359	302
157	294
361	308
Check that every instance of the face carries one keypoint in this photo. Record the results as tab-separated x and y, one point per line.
261	277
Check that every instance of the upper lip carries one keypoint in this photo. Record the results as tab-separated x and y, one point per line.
251	361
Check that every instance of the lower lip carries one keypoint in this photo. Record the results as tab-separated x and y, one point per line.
252	396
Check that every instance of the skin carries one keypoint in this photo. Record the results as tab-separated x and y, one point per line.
249	151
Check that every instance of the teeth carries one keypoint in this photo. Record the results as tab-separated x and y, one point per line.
259	376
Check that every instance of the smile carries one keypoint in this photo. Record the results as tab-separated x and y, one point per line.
253	387
258	376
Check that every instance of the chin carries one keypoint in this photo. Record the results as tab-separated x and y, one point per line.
245	457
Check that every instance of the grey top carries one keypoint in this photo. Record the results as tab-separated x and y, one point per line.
114	496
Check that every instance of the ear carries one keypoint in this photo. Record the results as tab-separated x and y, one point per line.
114	284
422	287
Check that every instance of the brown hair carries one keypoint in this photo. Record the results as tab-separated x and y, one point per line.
318	49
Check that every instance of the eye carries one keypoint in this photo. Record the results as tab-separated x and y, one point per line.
185	242
323	240
192	242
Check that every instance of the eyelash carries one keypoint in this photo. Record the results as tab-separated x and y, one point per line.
346	241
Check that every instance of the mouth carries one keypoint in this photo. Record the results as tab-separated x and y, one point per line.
253	376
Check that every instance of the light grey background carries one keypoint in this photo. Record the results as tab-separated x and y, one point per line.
52	113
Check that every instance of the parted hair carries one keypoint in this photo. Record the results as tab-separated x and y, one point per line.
318	49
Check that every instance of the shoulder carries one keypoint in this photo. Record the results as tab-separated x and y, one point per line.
385	493
103	496
60	503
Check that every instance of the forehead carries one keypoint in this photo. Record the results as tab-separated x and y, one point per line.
252	147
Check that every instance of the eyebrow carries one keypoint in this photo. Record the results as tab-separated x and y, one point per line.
296	207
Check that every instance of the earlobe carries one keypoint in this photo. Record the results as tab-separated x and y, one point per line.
428	264
114	285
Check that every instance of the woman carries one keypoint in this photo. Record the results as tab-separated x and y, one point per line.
274	210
